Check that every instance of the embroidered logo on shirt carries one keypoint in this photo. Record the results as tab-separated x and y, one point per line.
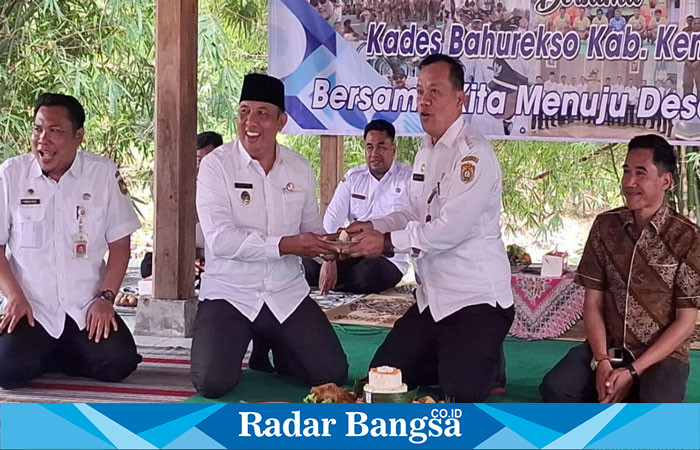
359	196
245	197
243	185
468	169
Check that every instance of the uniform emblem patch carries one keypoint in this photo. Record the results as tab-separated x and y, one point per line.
468	172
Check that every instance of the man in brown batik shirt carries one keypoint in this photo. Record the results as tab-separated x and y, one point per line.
641	272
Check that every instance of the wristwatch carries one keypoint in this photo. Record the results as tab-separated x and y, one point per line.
108	296
633	372
595	362
388	249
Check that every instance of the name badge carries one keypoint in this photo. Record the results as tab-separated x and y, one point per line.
418	177
359	196
243	185
80	245
30	201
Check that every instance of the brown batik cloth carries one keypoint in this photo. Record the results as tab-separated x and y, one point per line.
649	274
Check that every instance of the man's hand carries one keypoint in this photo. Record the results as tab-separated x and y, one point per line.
328	277
602	373
308	245
100	317
359	227
15	308
618	385
198	267
368	243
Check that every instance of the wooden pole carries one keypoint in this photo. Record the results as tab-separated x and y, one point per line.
332	167
176	125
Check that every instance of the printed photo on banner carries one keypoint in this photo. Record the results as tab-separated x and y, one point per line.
534	69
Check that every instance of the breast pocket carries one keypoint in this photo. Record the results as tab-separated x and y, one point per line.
30	226
417	186
293	208
666	269
358	207
94	222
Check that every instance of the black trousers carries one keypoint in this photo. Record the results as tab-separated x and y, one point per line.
461	352
29	352
305	346
358	275
573	381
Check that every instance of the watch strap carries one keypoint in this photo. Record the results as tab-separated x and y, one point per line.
388	249
108	296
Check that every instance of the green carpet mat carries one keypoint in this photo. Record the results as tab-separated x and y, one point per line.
527	362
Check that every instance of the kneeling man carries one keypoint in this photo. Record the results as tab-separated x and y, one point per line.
60	211
367	192
257	206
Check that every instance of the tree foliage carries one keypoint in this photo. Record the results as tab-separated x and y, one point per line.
102	51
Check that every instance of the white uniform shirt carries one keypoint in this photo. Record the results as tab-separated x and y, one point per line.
39	221
618	89
462	260
551	86
363	197
244	213
633	92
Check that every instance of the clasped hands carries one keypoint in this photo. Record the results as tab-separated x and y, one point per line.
366	241
613	385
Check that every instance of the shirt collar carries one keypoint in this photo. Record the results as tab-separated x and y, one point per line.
76	169
246	159
448	138
657	221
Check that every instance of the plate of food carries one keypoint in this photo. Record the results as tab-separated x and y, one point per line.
340	239
519	259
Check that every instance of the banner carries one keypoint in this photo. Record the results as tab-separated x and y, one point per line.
347	426
558	70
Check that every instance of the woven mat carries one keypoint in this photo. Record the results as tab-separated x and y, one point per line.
377	310
163	376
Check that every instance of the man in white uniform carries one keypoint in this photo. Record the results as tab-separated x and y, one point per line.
551	85
453	335
366	192
257	206
60	212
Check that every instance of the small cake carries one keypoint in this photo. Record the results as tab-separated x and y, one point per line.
384	384
344	236
386	379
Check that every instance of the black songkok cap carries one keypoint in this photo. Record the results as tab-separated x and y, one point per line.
259	87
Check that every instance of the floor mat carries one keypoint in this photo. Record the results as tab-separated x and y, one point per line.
378	310
163	376
527	363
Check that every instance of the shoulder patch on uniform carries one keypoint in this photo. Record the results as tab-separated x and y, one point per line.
121	183
468	169
343	180
470	158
